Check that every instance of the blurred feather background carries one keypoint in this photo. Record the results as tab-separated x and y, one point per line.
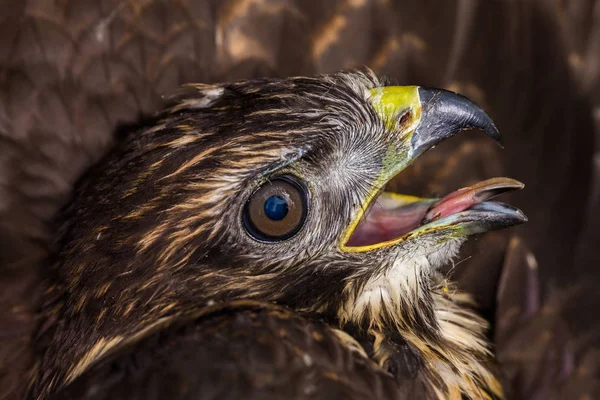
75	73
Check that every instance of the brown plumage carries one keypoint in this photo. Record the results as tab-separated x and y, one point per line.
262	349
155	229
72	72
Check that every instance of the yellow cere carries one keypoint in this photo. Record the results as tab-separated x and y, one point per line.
390	101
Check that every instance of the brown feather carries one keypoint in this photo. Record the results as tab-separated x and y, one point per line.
72	72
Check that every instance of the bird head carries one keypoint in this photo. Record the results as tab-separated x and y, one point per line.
274	190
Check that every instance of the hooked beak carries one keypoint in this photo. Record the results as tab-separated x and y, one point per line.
427	116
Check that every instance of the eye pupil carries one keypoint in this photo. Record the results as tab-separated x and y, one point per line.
276	208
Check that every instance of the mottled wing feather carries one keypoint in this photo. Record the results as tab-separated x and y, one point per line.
239	350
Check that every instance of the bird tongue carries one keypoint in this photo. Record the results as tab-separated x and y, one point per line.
465	198
392	216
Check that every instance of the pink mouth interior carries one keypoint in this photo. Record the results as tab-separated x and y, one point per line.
388	218
381	223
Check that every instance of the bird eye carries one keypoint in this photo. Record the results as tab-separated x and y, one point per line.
277	210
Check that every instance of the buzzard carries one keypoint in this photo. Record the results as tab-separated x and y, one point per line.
74	75
271	190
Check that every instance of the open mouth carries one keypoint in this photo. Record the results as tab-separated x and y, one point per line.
426	117
391	217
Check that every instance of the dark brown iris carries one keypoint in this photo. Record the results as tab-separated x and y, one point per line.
277	210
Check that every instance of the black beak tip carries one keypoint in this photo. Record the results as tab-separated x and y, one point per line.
445	113
523	218
482	121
